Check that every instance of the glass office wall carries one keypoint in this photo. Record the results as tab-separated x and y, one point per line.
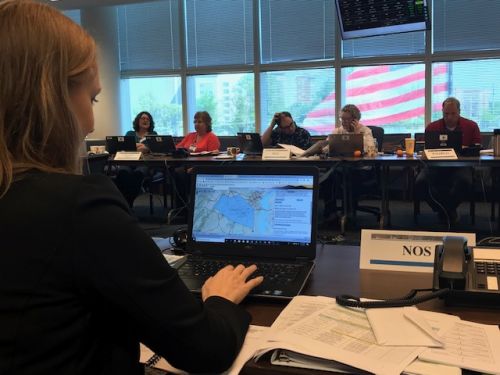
390	96
476	84
160	96
308	94
287	49
228	98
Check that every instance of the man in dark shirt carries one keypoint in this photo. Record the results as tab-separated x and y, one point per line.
283	129
445	188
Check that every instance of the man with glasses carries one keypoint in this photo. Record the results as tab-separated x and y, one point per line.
283	129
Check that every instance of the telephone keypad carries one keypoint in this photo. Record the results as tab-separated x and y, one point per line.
487	275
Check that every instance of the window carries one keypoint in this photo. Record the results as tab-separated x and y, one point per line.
230	113
465	25
476	84
391	96
149	36
309	95
297	30
219	32
74	15
160	96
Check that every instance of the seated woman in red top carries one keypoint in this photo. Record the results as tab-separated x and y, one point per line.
202	139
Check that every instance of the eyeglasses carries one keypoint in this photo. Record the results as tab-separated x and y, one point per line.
345	119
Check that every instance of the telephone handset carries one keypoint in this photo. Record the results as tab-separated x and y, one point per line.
451	262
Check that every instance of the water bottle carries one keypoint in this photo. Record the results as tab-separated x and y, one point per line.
496	142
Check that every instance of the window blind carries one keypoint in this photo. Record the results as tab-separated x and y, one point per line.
149	36
297	30
219	32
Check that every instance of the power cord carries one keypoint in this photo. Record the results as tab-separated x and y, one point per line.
429	189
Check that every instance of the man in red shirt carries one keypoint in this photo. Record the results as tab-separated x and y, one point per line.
452	121
445	188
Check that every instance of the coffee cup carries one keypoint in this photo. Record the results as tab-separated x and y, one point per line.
233	151
410	146
98	149
371	151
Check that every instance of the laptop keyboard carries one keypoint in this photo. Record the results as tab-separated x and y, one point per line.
276	275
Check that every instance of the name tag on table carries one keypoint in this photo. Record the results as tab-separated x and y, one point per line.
402	250
128	155
440	154
276	154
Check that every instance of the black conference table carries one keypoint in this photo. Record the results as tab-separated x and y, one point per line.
337	272
384	162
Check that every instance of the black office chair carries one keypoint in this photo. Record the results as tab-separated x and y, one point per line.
94	164
378	135
155	183
228	141
417	199
368	181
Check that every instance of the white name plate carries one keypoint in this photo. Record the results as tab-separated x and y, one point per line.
128	155
402	250
276	154
440	154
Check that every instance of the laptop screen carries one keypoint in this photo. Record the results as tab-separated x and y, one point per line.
254	210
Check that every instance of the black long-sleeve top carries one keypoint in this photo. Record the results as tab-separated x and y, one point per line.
81	284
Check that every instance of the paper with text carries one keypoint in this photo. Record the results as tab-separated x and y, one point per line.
293	149
345	335
470	346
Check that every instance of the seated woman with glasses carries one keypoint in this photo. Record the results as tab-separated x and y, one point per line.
130	180
143	125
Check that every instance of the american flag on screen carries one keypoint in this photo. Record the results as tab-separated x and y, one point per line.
385	95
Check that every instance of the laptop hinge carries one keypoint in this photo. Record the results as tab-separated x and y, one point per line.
302	259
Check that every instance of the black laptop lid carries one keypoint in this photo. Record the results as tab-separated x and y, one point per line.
160	144
250	143
436	139
116	143
345	144
259	212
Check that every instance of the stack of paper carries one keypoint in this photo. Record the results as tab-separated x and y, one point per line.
315	332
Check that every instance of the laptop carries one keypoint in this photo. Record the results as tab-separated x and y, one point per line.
250	143
344	144
437	139
262	215
116	143
160	144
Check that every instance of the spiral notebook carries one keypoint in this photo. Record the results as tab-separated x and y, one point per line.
250	215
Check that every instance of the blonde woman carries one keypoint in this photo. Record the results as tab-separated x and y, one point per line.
80	283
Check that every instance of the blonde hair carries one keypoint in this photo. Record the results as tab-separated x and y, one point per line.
42	55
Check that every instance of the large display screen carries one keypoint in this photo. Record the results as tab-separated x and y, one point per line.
363	18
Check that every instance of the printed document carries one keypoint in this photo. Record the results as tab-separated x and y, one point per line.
469	345
340	334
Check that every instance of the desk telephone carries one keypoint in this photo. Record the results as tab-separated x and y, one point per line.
463	276
472	275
